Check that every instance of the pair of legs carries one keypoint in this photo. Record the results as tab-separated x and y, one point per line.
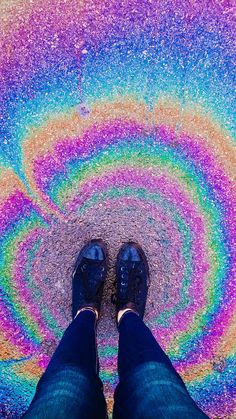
149	387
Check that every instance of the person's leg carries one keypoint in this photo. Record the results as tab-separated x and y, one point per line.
149	386
70	386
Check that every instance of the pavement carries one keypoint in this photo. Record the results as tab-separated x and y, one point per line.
117	123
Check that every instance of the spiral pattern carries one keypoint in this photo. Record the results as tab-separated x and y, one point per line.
117	123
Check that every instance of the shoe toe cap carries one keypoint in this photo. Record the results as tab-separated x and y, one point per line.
130	253
94	252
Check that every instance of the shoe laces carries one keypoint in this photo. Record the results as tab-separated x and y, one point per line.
134	282
91	277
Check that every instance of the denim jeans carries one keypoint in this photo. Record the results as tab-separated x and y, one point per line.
149	387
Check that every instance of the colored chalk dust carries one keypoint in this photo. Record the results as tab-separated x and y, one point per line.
116	122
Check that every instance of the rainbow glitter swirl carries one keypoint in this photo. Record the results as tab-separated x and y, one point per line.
117	122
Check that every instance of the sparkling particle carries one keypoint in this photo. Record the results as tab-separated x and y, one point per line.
117	122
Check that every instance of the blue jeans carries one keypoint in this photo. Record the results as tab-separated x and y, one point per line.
149	386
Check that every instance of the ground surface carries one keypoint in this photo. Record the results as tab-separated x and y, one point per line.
117	122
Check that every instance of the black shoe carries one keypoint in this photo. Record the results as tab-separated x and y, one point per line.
89	276
132	277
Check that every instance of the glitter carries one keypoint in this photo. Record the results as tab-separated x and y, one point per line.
117	122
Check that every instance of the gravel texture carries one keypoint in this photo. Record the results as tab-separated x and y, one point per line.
117	123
